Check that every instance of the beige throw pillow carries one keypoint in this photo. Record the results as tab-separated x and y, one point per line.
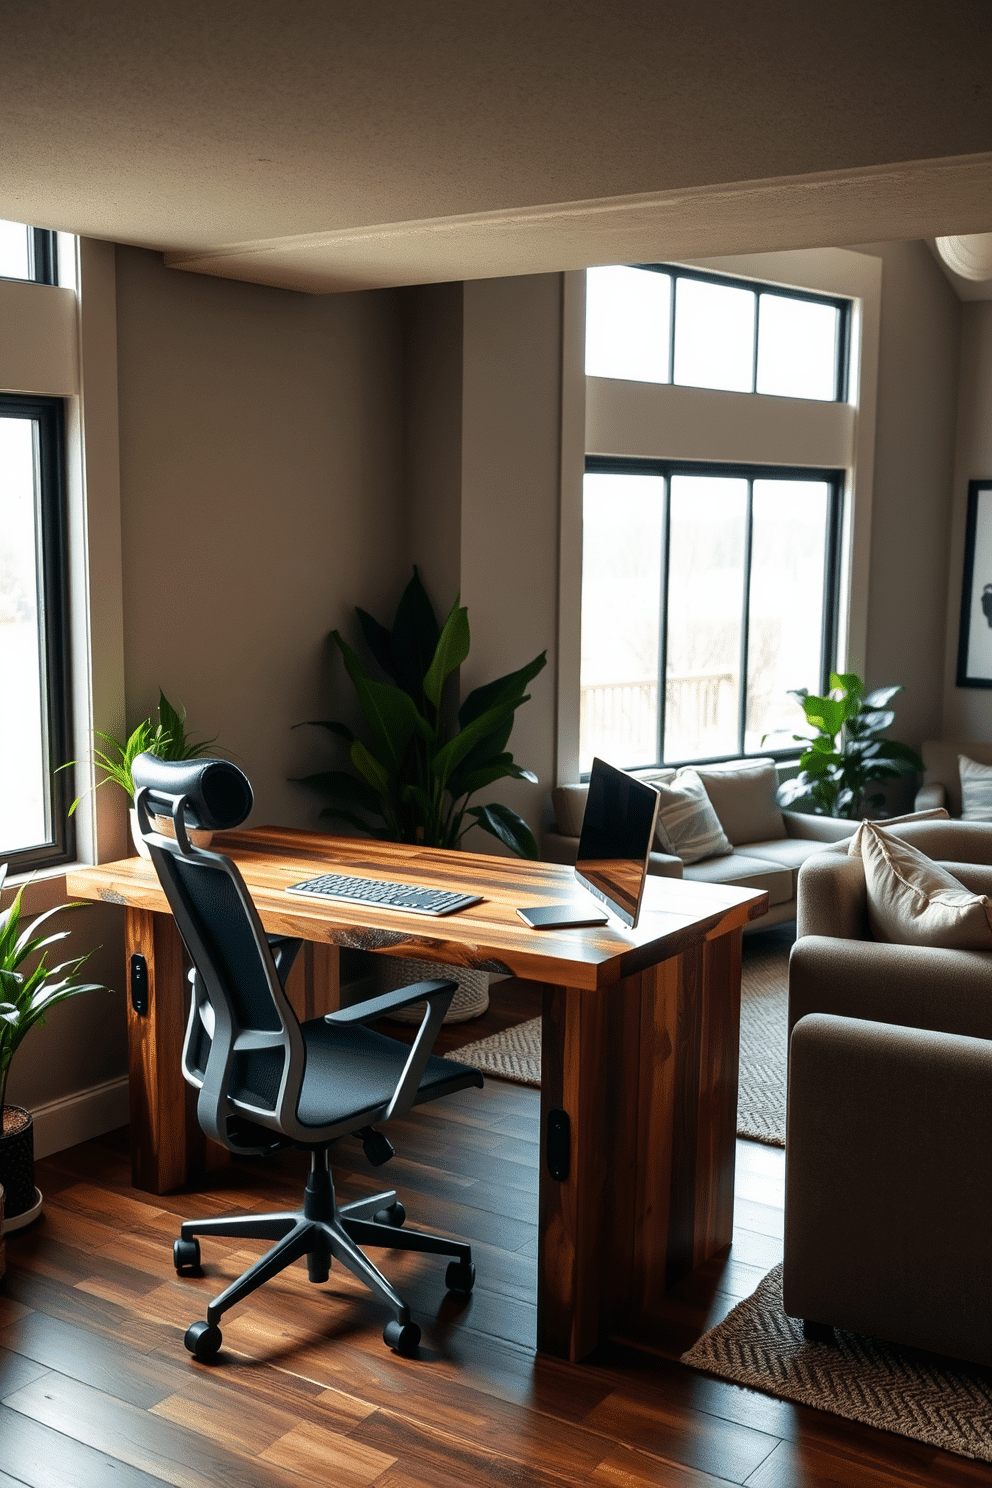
688	827
913	901
976	789
744	797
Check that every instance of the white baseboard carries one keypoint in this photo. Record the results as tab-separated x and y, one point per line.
77	1118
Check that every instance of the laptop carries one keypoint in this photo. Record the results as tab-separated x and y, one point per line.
612	861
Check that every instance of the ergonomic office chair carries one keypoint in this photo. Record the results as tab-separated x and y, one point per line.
266	1081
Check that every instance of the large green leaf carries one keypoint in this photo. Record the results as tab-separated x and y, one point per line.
460	746
452	649
504	823
827	714
370	768
390	713
881	697
503	767
513	685
414	638
378	640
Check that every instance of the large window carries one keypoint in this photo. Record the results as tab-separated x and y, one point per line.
27	253
707	593
656	323
33	637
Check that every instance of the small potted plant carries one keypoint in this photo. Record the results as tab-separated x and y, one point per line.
168	740
25	998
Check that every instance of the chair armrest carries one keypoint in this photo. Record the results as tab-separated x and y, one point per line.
817	828
915	986
381	1007
438	997
664	865
557	848
930	795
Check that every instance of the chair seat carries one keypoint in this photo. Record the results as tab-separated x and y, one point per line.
352	1069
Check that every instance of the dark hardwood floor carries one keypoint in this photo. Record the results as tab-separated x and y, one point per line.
96	1388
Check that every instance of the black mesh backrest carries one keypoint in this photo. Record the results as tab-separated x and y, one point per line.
227	933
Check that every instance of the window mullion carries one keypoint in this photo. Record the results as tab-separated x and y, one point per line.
745	616
663	617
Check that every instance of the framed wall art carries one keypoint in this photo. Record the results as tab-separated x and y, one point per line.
975	635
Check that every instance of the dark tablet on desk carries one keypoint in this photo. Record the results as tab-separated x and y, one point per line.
558	916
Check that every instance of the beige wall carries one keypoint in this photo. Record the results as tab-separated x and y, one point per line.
914	443
968	710
260	495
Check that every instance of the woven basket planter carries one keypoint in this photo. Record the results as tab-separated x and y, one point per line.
470	1001
17	1162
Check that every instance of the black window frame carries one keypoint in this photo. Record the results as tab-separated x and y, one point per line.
759	288
666	469
42	258
53	508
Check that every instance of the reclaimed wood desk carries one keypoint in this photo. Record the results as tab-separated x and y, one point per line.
639	1047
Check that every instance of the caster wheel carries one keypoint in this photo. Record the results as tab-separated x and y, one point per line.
203	1341
460	1277
403	1338
186	1257
394	1216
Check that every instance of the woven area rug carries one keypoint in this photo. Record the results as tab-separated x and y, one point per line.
515	1054
923	1396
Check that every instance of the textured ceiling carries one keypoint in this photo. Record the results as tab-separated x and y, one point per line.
325	143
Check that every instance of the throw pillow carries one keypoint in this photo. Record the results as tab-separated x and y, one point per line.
913	901
976	790
743	795
688	827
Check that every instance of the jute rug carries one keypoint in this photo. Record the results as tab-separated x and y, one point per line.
515	1054
923	1396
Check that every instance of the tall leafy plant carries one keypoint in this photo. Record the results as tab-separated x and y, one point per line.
414	771
25	997
847	754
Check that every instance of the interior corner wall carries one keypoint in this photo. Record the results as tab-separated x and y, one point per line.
968	710
433	329
511	415
261	437
914	444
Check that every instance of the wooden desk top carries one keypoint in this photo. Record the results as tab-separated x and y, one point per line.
675	913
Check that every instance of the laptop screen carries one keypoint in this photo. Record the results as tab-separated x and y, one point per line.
617	833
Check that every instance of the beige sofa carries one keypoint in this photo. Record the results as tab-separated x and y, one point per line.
770	845
942	779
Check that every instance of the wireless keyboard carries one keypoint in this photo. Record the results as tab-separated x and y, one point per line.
380	892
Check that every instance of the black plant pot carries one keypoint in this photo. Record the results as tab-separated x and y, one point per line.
17	1163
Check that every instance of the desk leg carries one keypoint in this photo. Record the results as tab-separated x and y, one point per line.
163	1141
647	1072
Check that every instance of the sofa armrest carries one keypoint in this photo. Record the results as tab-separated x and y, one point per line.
664	865
818	828
930	795
915	986
557	848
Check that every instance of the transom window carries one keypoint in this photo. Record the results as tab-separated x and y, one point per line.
27	253
708	592
657	323
33	636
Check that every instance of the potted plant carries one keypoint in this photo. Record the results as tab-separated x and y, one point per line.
25	998
847	752
414	772
168	740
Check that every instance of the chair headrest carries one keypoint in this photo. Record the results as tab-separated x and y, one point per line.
218	794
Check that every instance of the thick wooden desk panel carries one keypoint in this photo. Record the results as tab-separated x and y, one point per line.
640	1047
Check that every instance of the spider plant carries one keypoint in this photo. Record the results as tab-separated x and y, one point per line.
167	739
25	997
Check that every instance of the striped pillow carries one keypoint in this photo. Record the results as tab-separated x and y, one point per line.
976	790
688	827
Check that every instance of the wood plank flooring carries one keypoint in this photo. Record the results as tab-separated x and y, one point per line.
97	1389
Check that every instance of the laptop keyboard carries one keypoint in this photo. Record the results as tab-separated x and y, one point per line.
383	894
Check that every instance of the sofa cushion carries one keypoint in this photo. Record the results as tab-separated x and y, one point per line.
743	795
743	872
913	901
940	756
976	789
569	802
687	824
790	853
